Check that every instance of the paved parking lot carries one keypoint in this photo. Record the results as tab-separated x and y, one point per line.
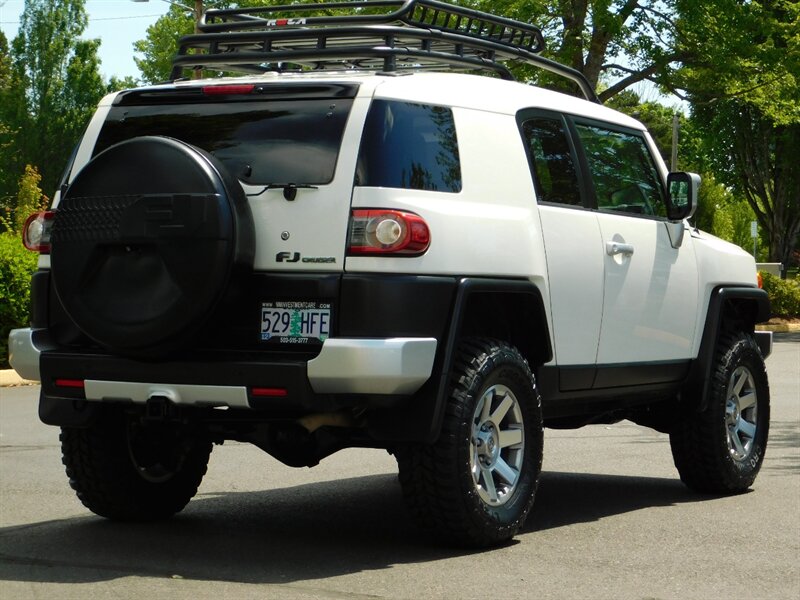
611	521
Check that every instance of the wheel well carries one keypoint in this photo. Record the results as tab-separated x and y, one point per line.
729	308
517	318
741	314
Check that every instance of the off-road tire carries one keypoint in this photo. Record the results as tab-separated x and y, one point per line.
102	471
437	480
702	447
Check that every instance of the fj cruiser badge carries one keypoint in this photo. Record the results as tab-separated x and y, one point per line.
293	257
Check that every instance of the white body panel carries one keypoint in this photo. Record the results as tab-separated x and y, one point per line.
575	273
315	223
488	227
719	263
649	295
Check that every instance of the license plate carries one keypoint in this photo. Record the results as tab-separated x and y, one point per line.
295	322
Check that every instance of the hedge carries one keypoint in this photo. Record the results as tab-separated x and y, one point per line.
784	294
16	267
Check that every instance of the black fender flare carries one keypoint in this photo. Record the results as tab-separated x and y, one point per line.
749	305
420	419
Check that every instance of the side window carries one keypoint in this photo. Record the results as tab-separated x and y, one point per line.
553	169
410	146
623	172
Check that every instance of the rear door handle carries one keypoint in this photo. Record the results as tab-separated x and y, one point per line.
614	248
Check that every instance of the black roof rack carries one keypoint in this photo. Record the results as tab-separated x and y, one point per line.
376	35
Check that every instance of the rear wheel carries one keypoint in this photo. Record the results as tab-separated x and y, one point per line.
476	484
127	469
721	449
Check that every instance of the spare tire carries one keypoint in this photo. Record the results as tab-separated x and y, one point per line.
145	243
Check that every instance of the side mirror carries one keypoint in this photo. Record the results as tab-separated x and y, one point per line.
683	188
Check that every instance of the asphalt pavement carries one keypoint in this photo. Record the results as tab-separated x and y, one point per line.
611	520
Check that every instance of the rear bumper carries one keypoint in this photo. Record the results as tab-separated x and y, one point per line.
23	353
344	367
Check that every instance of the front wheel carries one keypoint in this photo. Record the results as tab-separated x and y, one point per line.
721	449
476	484
128	469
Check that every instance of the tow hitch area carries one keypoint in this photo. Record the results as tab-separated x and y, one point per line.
161	408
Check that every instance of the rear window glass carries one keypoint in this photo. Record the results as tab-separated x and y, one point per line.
260	142
410	146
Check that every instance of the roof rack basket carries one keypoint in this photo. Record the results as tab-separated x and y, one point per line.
374	35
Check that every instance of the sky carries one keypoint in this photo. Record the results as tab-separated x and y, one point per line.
118	24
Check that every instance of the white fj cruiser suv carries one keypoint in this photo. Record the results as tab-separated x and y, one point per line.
358	244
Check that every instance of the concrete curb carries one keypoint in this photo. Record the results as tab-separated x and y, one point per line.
9	378
785	328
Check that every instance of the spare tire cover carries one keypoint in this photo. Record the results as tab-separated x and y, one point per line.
144	243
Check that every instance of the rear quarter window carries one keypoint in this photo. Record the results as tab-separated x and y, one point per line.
409	146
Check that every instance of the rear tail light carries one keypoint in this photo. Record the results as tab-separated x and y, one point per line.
760	280
269	392
36	233
387	232
70	383
228	90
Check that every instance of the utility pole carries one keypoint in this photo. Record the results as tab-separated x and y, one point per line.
198	14
676	126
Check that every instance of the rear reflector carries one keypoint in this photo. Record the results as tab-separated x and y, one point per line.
269	392
70	383
227	90
36	232
387	232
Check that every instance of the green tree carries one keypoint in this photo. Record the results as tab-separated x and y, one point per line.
744	86
116	84
161	43
656	117
757	159
55	83
11	110
29	200
614	42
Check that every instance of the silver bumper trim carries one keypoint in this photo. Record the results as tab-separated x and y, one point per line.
372	366
177	393
23	355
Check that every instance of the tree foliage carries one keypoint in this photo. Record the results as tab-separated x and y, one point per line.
29	200
49	90
744	88
614	43
161	43
757	159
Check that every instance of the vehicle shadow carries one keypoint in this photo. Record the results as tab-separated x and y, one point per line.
301	533
567	498
782	447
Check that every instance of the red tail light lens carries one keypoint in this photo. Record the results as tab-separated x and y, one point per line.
36	233
70	383
387	232
227	90
269	392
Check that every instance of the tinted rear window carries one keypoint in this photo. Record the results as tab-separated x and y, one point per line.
260	142
411	146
